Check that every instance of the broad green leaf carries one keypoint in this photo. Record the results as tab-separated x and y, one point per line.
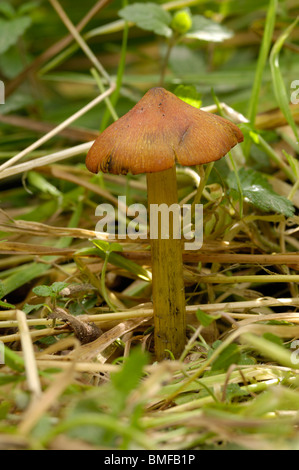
148	16
230	355
11	30
207	30
188	94
11	64
6	9
185	61
28	7
128	378
27	308
58	287
42	291
259	192
204	318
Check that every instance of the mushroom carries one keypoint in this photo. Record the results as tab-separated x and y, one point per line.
158	132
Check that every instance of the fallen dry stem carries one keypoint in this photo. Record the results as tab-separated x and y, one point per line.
29	356
46	160
34	412
76	35
59	155
244	310
55	48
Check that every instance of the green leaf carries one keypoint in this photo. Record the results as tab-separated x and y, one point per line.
269	349
41	183
274	338
230	355
120	261
42	291
58	287
2	291
127	379
7	379
13	360
207	30
148	16
114	247
188	94
6	9
27	308
184	61
259	192
22	275
50	291
4	408
6	305
233	391
11	30
204	318
28	7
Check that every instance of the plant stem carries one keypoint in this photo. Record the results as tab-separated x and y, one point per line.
107	100
172	41
120	73
262	59
258	278
167	268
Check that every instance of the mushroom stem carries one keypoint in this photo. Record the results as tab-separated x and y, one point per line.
167	269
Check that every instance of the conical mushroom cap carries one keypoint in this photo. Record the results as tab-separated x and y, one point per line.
159	131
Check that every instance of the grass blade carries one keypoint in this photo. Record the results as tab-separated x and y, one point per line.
277	79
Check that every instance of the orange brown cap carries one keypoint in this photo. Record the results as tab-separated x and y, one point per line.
159	131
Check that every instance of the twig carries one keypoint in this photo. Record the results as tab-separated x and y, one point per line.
53	133
56	5
55	48
34	413
42	161
29	357
75	134
147	312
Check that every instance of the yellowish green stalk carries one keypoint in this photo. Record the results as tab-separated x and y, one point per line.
167	269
